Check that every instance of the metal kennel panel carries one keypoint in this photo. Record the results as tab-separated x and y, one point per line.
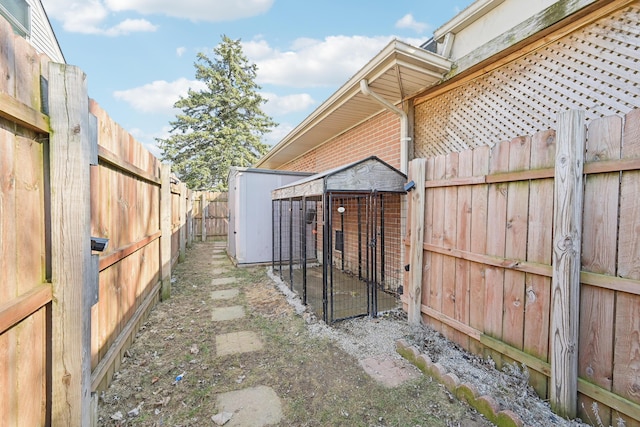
364	256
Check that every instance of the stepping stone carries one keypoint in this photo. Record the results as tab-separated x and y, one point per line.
255	406
237	342
388	371
219	256
219	271
223	281
225	294
227	313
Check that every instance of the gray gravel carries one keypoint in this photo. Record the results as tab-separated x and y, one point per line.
367	337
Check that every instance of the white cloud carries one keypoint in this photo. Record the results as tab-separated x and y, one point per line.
277	134
131	26
195	10
158	96
281	105
89	16
407	21
312	62
181	50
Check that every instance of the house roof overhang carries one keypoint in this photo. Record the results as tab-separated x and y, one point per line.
398	72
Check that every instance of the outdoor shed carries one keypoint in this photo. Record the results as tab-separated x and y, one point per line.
337	239
249	230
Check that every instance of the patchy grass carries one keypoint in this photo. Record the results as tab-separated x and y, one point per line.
318	383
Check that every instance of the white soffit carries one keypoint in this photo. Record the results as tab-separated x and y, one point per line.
399	71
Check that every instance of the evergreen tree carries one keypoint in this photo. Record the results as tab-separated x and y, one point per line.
220	126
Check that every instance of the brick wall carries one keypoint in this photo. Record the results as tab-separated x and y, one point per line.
378	136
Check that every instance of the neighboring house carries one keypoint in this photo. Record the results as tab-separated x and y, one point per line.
499	69
29	20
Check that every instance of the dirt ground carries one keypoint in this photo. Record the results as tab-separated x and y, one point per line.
172	374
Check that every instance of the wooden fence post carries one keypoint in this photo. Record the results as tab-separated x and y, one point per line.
165	228
183	222
204	209
189	218
417	174
567	242
71	264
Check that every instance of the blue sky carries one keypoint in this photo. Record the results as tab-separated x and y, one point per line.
139	54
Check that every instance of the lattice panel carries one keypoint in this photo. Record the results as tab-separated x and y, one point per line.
594	69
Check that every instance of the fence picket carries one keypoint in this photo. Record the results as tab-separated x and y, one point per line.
599	239
538	287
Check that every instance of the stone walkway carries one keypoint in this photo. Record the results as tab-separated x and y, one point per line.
261	406
255	406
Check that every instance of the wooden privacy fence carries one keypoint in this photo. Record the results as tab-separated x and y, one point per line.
213	207
69	174
529	252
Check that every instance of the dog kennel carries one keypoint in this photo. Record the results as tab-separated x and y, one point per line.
337	239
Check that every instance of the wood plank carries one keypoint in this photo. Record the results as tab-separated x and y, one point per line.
494	261
427	274
517	355
417	173
626	362
71	254
599	241
165	228
107	361
32	377
183	221
8	220
449	240
114	257
496	231
29	205
22	114
516	244
437	237
612	400
27	63
590	168
8	368
17	309
539	248
628	247
479	210
463	230
7	60
452	323
626	359
565	288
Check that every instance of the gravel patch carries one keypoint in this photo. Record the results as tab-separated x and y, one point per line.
366	337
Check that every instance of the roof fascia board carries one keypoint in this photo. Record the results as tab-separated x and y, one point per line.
534	25
467	17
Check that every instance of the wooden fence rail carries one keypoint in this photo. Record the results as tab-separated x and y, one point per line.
67	314
505	276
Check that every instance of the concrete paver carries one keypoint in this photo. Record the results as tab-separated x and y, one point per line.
237	342
219	314
255	406
223	281
224	294
389	372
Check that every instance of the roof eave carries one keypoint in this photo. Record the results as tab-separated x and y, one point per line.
395	54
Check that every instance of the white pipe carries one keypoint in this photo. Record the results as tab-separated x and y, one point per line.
405	139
